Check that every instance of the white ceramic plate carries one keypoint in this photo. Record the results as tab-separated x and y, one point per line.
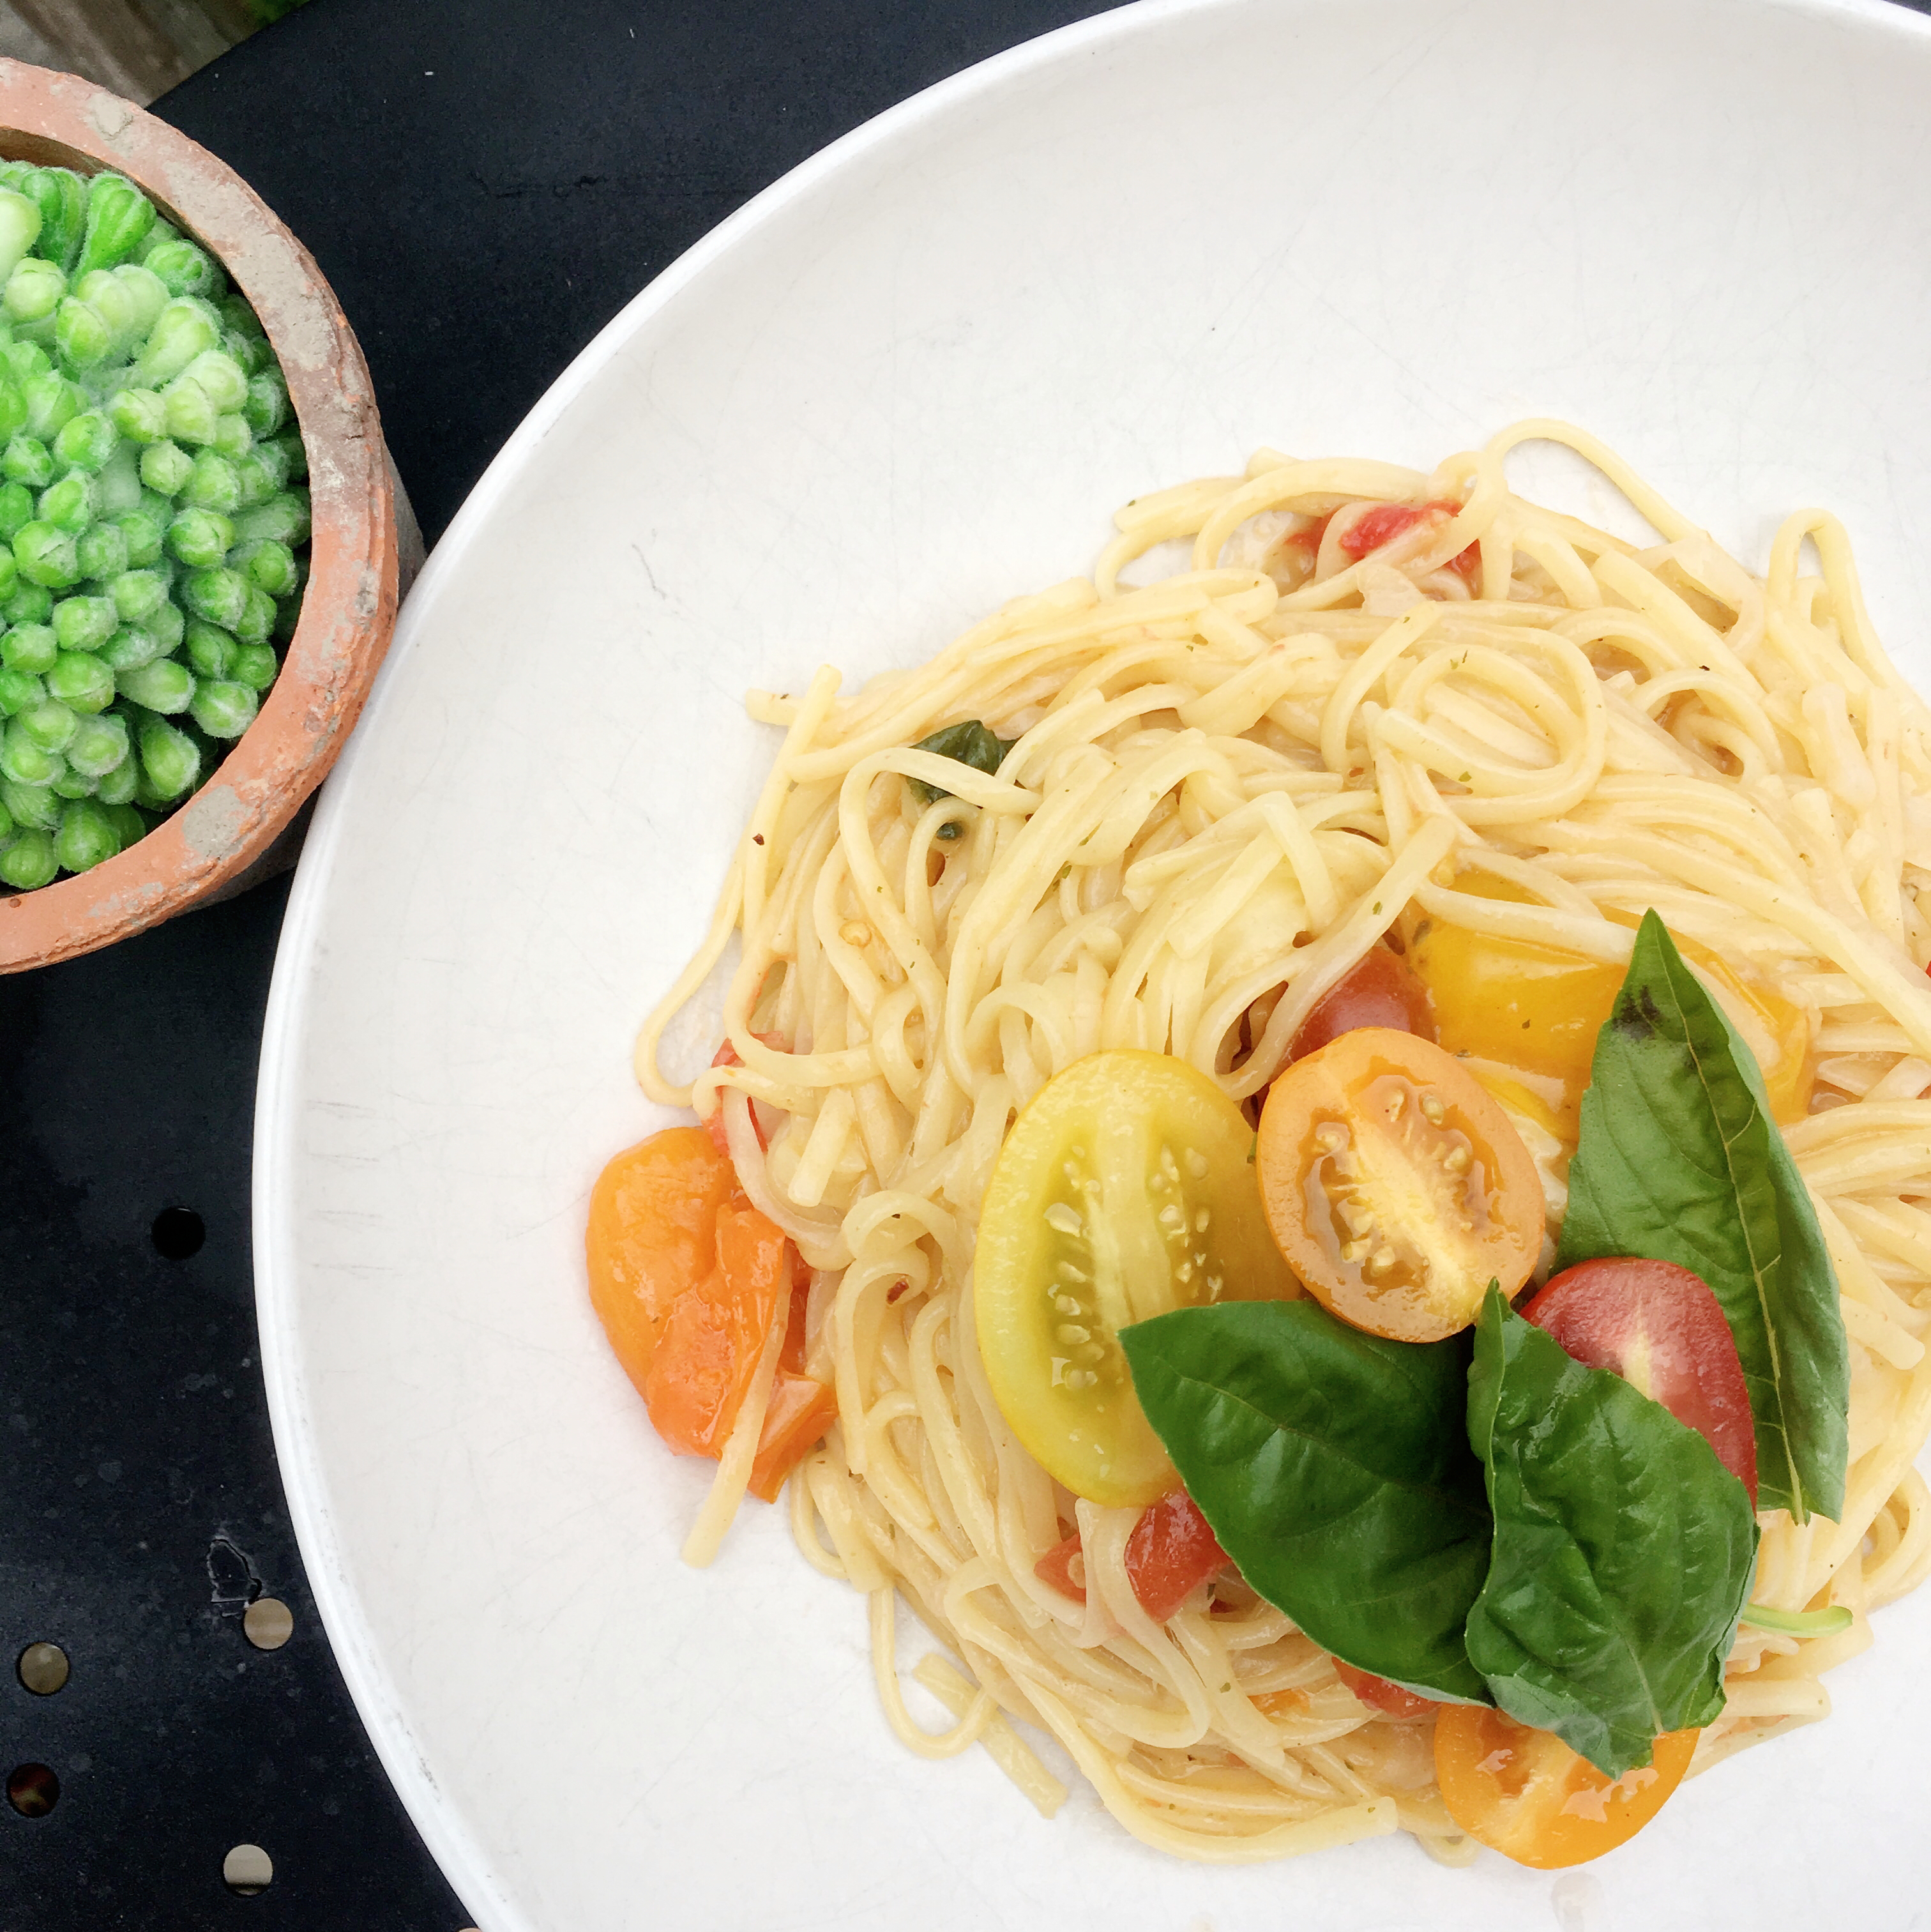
913	378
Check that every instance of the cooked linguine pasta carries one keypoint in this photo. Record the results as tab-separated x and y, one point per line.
1228	783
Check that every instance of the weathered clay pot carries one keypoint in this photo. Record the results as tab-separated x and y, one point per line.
348	608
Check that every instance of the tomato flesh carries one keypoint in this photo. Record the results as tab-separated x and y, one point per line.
1124	1189
1386	521
1170	1552
1659	1327
1395	1185
1525	1793
1379	990
1380	1695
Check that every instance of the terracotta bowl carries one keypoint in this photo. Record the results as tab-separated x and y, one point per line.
227	829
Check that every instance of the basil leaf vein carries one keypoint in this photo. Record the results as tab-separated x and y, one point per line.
1334	1467
1679	1160
1623	1550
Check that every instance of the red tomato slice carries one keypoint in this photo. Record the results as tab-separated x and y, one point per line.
728	1055
1380	989
1380	1695
1171	1550
1657	1325
1386	521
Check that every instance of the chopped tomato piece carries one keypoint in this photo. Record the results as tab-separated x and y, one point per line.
801	1409
1281	1703
651	1236
1386	521
1395	1185
1657	1325
1170	1551
728	1055
1378	990
1379	1694
708	1349
1526	1794
1063	1568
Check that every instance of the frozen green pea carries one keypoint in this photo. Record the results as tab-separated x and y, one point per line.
81	682
28	603
117	787
200	538
61	197
33	291
233	438
165	467
218	596
12	404
20	690
163	231
250	351
167	624
223	709
29	862
139	414
182	331
191	417
138	594
52	403
120	480
187	269
83	623
16	509
212	484
83	335
118	219
46	555
98	745
129	826
131	647
209	650
148	291
49	724
20	229
86	442
266	407
166	686
31	806
72	784
284	517
140	536
27	460
119	303
23	758
259	476
253	665
266	563
86	836
219	377
31	647
101	551
70	505
26	358
257	623
170	761
289	442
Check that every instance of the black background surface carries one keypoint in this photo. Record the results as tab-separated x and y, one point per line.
484	183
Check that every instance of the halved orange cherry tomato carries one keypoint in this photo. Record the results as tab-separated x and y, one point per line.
1516	1004
1380	1695
1124	1189
1395	1185
801	1410
1658	1326
1379	990
1526	1794
1170	1551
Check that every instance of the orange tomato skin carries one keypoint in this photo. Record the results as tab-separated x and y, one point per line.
708	1351
651	1236
1395	1185
801	1410
1525	1794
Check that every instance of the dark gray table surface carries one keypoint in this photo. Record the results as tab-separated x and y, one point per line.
484	184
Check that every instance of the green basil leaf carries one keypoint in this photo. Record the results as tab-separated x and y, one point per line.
1334	1467
1680	1161
1623	1550
967	744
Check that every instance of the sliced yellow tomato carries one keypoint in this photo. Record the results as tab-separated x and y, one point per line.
1536	1010
1395	1185
1126	1188
1525	1793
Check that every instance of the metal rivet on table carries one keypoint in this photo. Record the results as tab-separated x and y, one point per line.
42	1668
267	1623
32	1789
248	1870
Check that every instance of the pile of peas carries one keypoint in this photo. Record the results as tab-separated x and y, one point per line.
150	538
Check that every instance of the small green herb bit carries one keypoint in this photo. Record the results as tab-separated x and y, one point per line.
1334	1466
1679	1160
1623	1550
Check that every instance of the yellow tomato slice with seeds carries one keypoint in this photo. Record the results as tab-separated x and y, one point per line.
1125	1189
1395	1185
